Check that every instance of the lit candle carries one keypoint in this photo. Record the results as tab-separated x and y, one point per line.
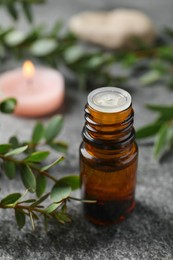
38	91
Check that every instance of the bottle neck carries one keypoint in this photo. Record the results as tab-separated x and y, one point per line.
109	130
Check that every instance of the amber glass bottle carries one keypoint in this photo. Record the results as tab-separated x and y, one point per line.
108	156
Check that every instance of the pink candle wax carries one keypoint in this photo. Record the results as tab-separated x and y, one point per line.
38	91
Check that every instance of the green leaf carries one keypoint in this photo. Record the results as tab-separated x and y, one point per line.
43	47
161	141
59	146
34	215
37	156
11	8
96	61
10	169
53	128
28	178
11	199
169	82
73	54
72	181
129	60
148	130
168	31
8	105
40	185
14	142
20	218
2	51
27	201
43	198
170	135
150	77
35	33
166	112
15	38
46	218
161	109
60	192
32	221
16	151
56	29
160	66
64	208
4	148
52	207
47	167
165	53
37	133
27	11
4	32
63	217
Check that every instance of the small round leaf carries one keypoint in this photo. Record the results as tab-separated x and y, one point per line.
28	178
15	38
14	142
72	181
8	105
37	156
37	133
10	199
40	185
4	148
52	207
60	191
16	151
10	169
43	47
20	218
53	128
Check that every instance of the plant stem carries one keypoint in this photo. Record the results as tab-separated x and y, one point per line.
44	173
82	200
22	162
23	207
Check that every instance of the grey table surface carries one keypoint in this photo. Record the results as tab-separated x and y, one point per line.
148	233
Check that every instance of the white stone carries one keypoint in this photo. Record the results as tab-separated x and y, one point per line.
116	29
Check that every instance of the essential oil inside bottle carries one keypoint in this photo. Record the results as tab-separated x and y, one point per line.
108	156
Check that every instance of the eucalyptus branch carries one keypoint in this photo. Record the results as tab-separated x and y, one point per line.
56	48
43	136
33	167
34	174
32	208
161	129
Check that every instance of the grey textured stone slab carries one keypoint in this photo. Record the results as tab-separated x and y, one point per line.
148	233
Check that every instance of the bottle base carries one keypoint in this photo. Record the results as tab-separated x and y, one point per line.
109	213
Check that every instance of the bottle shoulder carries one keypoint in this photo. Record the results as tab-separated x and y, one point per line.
102	156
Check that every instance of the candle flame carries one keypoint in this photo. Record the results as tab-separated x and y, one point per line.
28	69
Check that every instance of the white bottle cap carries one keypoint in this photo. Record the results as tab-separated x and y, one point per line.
109	99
